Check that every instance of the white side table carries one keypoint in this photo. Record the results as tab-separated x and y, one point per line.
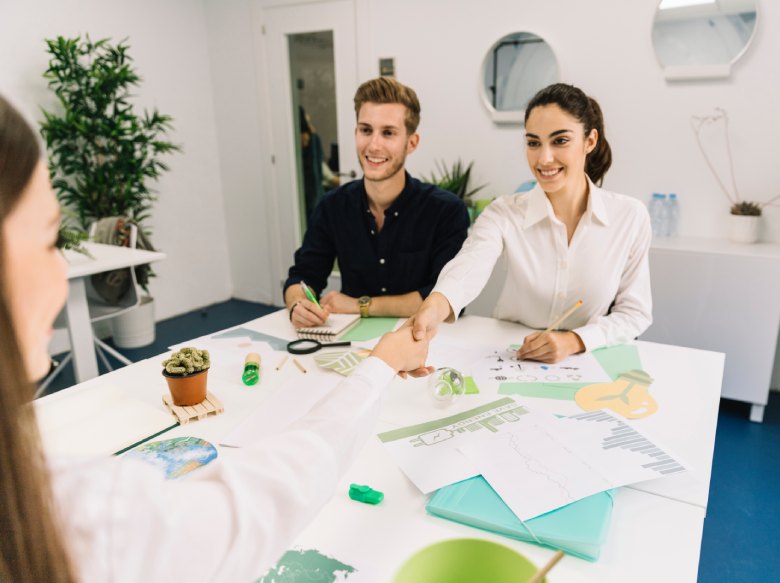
104	258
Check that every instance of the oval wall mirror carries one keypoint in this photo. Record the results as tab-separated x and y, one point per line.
514	69
701	39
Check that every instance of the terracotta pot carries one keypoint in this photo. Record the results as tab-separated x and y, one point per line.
188	389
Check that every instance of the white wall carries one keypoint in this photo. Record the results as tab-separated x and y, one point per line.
203	63
440	48
242	120
169	45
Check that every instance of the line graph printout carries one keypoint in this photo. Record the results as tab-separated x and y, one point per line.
427	453
549	462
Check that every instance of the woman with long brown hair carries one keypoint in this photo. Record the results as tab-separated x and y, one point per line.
117	519
566	240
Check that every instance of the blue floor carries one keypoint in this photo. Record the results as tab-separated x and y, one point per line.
740	543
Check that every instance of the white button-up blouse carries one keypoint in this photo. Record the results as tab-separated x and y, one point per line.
605	265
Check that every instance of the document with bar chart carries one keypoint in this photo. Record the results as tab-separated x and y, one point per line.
548	462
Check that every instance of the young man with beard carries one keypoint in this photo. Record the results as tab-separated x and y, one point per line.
390	233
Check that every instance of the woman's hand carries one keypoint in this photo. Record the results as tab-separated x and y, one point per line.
403	353
425	322
550	347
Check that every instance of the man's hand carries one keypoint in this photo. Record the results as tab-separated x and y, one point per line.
403	353
550	347
305	313
339	303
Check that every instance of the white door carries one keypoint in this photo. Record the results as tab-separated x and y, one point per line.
311	31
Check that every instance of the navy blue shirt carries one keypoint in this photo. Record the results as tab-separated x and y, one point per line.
424	228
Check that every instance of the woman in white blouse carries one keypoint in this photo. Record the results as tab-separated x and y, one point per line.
116	519
565	240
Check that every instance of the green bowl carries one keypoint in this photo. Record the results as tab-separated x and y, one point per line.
466	560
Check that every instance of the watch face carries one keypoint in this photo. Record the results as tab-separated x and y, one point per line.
364	300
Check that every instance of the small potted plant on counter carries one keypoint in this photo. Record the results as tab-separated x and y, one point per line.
744	216
186	372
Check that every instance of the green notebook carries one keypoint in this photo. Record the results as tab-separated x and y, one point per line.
578	529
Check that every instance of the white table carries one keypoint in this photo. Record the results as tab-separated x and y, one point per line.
656	526
104	258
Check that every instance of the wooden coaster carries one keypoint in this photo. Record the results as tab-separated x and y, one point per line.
211	406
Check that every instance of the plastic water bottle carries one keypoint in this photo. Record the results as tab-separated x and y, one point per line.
657	210
672	216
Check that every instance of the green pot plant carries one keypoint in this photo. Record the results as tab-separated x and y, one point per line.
456	180
744	216
104	155
186	372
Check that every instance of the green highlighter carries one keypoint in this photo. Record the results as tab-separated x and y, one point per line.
251	375
310	294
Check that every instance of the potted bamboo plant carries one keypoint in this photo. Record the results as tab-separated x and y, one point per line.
186	372
104	155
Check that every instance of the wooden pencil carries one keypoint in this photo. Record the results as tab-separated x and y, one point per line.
281	363
565	315
539	575
298	364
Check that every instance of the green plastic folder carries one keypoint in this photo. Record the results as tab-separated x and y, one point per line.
579	529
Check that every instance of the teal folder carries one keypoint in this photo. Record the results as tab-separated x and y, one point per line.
578	529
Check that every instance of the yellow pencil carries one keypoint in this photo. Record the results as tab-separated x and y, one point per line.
298	364
565	315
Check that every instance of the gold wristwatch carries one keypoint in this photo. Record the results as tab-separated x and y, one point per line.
363	303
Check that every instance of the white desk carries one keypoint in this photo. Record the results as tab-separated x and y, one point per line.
104	258
656	526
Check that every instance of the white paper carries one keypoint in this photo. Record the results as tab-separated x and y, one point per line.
428	453
503	367
98	421
547	462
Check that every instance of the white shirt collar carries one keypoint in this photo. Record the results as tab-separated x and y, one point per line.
539	206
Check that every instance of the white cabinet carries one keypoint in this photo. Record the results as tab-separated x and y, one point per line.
721	296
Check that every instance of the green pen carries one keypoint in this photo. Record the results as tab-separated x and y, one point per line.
310	294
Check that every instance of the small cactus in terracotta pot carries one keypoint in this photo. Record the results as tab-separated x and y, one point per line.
186	372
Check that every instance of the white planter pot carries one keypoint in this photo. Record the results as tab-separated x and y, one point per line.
743	228
136	327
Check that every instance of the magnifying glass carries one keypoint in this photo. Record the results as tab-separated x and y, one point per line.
308	345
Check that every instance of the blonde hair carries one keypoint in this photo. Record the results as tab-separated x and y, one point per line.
388	90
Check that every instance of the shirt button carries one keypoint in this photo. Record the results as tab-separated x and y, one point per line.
384	289
564	265
395	214
372	232
562	295
382	261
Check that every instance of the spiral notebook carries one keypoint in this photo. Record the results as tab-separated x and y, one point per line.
334	327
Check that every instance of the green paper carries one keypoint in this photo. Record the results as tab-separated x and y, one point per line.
560	391
369	328
306	565
615	359
471	386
